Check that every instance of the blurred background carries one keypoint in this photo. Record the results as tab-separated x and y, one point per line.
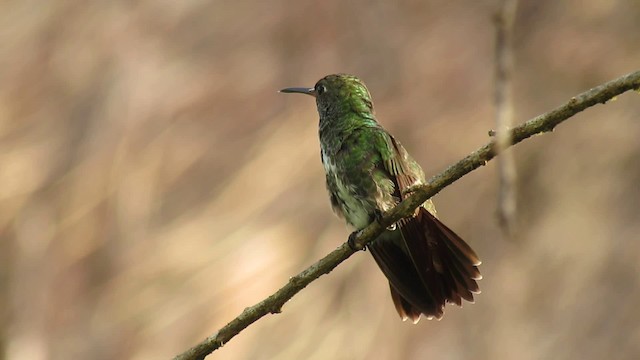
153	183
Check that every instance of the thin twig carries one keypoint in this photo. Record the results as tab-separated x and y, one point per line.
503	99
540	124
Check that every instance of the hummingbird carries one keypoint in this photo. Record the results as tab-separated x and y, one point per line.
368	172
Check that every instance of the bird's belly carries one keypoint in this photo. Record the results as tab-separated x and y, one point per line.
356	209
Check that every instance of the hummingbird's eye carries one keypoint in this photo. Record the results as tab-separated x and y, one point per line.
321	89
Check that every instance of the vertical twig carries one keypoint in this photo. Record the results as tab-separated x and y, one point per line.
503	98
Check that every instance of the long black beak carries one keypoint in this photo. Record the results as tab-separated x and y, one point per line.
300	90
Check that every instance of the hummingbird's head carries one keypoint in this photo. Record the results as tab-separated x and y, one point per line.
338	94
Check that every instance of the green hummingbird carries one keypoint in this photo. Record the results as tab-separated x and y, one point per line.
369	172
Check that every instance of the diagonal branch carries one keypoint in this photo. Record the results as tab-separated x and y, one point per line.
540	124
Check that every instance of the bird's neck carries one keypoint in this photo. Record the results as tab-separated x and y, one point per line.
335	128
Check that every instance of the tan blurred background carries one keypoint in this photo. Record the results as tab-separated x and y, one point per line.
153	183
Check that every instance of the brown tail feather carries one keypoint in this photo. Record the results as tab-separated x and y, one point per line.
404	308
427	265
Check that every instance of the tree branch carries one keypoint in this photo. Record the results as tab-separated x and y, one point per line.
540	124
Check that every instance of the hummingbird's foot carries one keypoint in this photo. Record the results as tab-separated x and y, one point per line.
409	190
353	244
378	215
